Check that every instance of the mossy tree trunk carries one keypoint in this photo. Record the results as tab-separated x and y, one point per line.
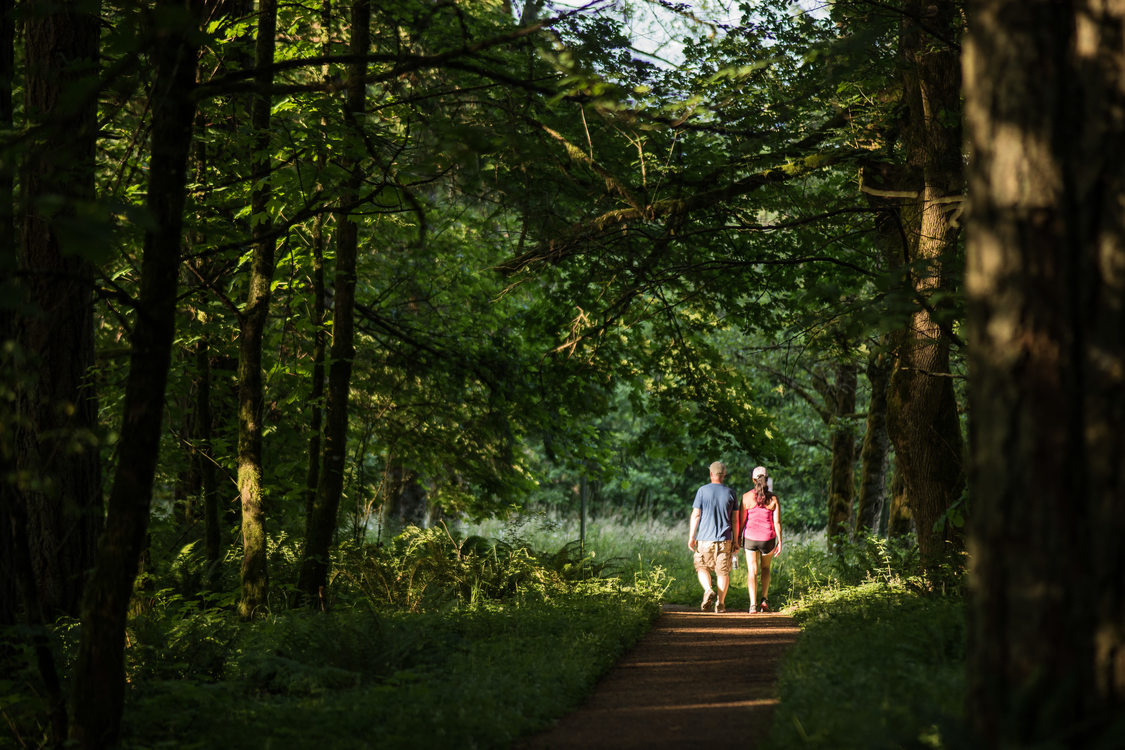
254	318
922	408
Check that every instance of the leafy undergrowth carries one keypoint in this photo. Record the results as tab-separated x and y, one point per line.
474	678
432	639
876	666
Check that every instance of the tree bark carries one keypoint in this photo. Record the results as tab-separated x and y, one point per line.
204	454
319	239
99	674
395	479
7	171
875	451
1045	115
316	393
922	408
899	521
9	588
255	316
56	444
314	565
206	420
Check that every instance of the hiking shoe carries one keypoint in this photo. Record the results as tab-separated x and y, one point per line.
708	601
764	606
753	609
720	608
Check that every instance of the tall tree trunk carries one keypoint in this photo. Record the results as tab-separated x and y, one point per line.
875	451
395	478
1045	104
186	490
205	418
314	565
316	394
255	315
20	602
841	480
922	407
319	240
8	250
208	476
56	447
9	589
99	674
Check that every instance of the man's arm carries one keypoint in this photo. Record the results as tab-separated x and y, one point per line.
693	527
735	518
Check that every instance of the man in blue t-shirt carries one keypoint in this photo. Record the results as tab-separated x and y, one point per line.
711	536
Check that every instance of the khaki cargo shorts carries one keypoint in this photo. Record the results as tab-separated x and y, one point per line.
714	556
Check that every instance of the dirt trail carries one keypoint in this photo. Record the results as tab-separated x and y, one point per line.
695	677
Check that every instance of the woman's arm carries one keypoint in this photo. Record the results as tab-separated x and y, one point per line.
777	525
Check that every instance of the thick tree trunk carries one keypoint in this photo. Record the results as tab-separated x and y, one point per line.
255	316
20	599
56	445
1045	105
314	565
99	674
922	408
841	480
875	451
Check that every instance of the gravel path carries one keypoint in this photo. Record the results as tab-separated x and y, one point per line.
695	677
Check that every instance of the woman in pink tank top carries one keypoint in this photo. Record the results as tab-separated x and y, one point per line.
760	535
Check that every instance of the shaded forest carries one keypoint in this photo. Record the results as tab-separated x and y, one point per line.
280	281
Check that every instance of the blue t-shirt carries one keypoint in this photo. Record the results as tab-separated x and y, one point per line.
716	503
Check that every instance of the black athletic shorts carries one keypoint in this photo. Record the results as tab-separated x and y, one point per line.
765	547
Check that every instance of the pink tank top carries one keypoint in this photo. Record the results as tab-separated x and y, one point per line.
758	523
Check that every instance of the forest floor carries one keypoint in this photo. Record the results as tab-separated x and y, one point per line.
695	677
